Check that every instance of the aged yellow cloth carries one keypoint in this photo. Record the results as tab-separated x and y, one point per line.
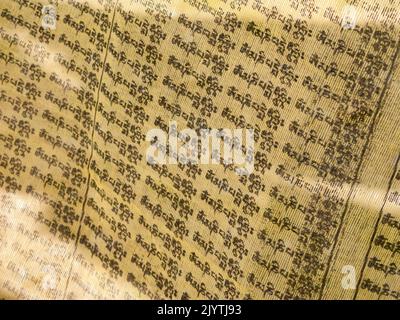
83	215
